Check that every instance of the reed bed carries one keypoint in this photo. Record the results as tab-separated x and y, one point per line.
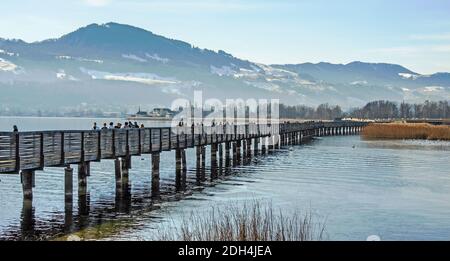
247	222
416	131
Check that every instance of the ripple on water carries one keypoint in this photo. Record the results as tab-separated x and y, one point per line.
395	189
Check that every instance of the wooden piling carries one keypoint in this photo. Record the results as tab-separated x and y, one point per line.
126	162
249	148
178	169
203	168
213	160
82	178
234	153
198	166
263	145
68	184
220	159
227	154
27	184
238	152
155	175
183	169
118	172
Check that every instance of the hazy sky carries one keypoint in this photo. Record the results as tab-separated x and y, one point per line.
414	33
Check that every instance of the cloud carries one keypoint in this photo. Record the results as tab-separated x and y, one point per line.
97	2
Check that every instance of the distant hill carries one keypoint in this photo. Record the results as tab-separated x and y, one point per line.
119	66
366	73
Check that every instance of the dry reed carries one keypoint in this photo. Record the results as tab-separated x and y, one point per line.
248	222
406	131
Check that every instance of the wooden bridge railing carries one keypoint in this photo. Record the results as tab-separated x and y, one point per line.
36	150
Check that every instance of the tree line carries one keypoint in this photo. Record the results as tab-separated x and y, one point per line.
382	109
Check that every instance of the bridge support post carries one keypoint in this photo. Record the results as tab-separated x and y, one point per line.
118	172
83	170
249	148
263	145
220	159
27	178
178	169
244	151
227	154
234	151
198	171
125	166
213	160
238	152
184	165
203	168
155	175
270	144
68	184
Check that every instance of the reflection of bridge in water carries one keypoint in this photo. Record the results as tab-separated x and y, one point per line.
28	152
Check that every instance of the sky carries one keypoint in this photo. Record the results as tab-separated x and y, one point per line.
413	33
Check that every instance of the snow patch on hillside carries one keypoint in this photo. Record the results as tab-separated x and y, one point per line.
433	88
62	75
156	57
359	83
222	71
8	53
144	78
80	59
7	66
409	76
265	86
134	58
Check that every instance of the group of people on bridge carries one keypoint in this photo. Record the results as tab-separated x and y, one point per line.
126	125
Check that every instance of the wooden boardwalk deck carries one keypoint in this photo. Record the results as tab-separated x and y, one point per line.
26	152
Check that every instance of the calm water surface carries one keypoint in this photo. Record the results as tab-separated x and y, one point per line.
399	190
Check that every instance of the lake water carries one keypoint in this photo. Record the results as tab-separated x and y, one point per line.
398	190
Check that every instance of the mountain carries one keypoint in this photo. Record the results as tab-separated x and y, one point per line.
120	67
369	73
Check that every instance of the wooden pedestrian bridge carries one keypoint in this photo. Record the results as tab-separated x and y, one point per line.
25	153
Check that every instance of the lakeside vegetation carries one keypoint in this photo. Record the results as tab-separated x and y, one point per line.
247	222
373	110
421	131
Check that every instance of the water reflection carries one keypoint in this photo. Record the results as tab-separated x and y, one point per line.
27	220
378	188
